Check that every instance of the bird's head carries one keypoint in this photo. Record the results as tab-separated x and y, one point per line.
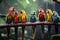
16	13
49	11
41	10
23	12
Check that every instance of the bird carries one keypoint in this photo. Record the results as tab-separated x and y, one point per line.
9	19
16	21
16	17
33	17
55	16
23	16
9	16
41	18
41	14
49	13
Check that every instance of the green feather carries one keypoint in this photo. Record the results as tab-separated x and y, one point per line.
9	20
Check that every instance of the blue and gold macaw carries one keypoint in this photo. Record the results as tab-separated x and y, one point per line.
55	19
33	17
55	16
23	20
23	16
49	14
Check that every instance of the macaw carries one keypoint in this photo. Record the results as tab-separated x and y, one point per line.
23	20
49	14
41	14
9	19
33	17
23	16
16	17
15	21
9	15
55	16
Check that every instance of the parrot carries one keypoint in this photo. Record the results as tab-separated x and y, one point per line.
41	18
41	14
33	17
55	16
16	17
23	20
23	16
55	19
49	14
9	15
9	19
15	21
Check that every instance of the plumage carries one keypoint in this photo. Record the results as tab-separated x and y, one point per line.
41	14
9	15
33	17
23	16
16	17
9	19
49	14
58	18
55	16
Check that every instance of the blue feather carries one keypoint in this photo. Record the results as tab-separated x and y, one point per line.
55	16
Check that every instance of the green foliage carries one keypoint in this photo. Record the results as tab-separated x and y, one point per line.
2	21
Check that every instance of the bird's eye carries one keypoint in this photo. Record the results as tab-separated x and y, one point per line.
21	12
53	13
48	12
40	11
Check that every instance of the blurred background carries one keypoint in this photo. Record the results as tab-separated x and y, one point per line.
29	6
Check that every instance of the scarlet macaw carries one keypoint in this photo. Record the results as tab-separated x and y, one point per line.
9	15
41	14
16	17
9	19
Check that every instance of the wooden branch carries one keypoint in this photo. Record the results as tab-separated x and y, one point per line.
2	15
29	24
